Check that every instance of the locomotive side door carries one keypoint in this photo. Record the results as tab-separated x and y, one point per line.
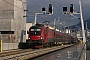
45	35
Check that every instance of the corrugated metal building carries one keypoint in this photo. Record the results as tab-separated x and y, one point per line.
12	22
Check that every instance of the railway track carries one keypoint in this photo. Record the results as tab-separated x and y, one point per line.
13	52
22	54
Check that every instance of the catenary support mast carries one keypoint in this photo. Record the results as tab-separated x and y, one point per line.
82	23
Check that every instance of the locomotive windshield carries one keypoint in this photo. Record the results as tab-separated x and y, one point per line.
35	31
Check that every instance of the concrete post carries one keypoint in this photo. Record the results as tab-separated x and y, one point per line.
0	45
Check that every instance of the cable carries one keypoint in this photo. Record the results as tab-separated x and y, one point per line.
36	5
39	9
63	14
17	7
60	10
28	11
54	5
67	17
12	4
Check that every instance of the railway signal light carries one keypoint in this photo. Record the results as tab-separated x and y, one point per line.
50	9
71	8
65	10
44	10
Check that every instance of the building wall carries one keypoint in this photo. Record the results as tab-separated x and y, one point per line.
12	22
6	9
20	21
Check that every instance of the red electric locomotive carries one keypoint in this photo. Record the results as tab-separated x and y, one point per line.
41	36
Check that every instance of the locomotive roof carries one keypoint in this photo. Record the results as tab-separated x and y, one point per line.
36	26
33	27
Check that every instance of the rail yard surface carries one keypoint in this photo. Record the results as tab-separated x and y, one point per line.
22	54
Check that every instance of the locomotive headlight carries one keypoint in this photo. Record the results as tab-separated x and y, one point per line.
41	37
29	38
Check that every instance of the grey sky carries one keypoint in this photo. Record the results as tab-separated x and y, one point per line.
35	6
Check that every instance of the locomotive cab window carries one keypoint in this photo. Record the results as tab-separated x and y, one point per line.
35	31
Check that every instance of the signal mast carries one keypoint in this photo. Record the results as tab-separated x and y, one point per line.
50	12
81	18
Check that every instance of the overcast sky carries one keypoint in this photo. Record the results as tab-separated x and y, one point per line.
34	6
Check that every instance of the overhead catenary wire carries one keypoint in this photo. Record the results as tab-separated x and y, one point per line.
51	2
38	9
17	6
12	4
29	12
68	14
61	11
36	5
